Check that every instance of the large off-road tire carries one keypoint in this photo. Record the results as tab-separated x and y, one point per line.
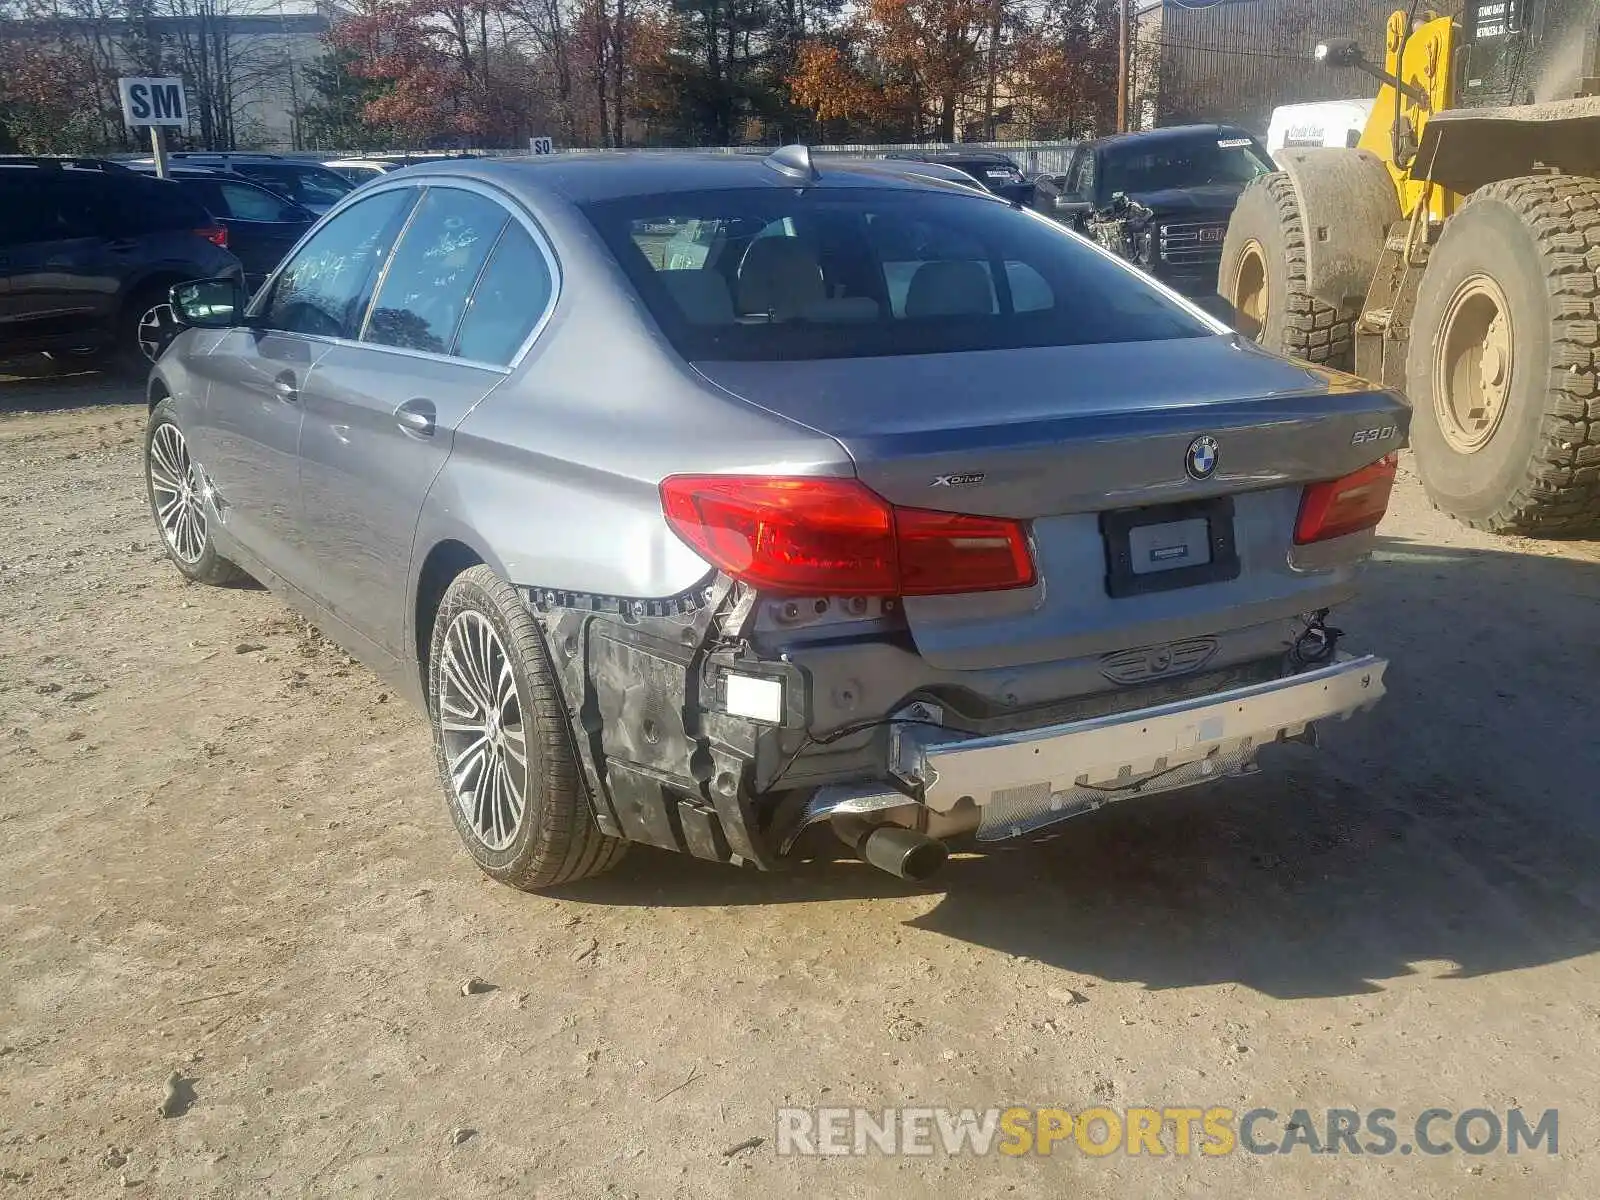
1503	359
175	488
502	742
1263	277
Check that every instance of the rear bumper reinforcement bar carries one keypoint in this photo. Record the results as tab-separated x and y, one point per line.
1020	781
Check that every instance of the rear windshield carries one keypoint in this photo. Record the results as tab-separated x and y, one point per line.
783	274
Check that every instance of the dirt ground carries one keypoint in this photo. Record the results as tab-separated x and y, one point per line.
223	853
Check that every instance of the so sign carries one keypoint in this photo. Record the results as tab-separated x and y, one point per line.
153	102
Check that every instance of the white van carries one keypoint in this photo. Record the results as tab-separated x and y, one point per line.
1326	123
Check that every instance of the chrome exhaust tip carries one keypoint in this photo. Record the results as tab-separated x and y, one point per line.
904	853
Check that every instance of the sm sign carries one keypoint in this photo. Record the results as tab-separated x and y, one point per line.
153	102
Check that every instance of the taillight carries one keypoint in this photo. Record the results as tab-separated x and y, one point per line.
217	235
837	537
1347	505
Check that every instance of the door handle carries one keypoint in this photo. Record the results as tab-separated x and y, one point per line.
286	389
417	417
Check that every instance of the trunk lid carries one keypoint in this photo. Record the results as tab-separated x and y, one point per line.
1060	436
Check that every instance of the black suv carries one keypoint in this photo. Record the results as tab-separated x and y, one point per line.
1161	198
262	225
88	252
996	172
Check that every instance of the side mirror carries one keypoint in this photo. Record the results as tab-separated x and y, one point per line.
1070	208
209	303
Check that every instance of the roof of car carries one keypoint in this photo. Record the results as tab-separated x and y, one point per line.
953	156
584	178
1171	133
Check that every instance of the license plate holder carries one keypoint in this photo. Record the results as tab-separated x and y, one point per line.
1159	549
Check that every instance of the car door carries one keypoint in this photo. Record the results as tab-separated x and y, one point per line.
248	438
381	417
62	286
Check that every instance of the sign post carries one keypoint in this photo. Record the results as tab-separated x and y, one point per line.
541	146
156	103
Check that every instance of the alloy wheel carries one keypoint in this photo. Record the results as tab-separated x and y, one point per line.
177	490
485	738
157	327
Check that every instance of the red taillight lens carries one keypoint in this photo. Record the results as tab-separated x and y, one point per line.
1348	505
942	553
837	537
217	235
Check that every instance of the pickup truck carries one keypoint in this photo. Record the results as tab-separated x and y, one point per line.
1160	198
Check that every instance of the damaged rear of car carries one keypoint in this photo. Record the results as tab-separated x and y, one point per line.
967	531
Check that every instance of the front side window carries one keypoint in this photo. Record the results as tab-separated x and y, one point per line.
868	272
324	288
425	288
1080	181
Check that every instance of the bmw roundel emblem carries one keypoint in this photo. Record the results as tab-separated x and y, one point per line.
1201	459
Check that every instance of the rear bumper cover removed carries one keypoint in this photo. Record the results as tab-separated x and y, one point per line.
1021	781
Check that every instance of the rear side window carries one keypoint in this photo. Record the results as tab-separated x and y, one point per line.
245	203
139	206
512	294
854	272
324	288
29	212
424	290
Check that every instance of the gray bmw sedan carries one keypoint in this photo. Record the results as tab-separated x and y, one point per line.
702	499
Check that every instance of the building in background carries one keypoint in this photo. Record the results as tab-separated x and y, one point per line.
243	62
1237	60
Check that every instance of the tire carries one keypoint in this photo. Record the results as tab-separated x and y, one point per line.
1533	246
554	840
129	355
1266	235
171	477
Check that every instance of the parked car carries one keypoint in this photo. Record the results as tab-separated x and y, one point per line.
308	184
88	251
373	166
1162	199
262	225
361	170
918	515
993	172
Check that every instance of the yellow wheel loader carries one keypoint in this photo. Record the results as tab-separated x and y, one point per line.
1454	255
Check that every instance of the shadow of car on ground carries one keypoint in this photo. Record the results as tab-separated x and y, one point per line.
1458	823
36	384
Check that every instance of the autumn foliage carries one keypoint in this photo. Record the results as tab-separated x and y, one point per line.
491	73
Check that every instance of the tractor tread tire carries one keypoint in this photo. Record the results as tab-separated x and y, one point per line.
1558	492
1310	329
